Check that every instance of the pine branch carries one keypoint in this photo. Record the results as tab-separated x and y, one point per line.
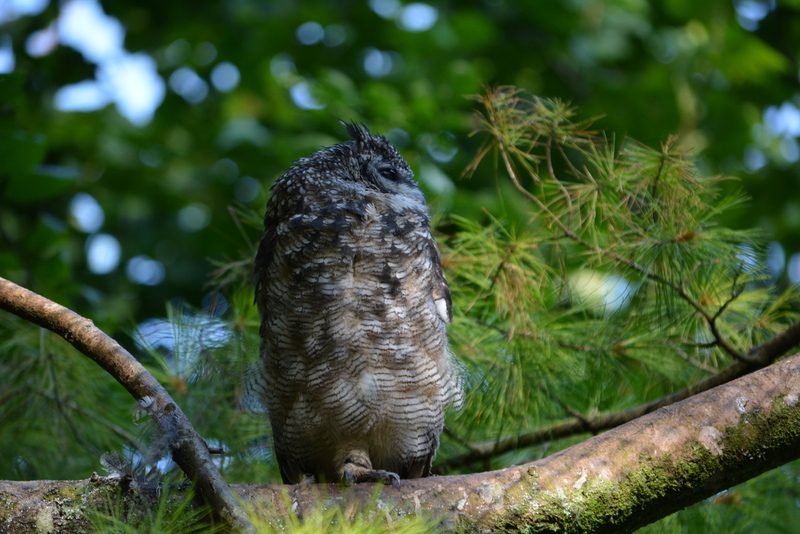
711	319
514	122
190	451
75	407
757	358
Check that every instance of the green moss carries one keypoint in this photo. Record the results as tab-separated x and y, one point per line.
675	481
760	431
7	506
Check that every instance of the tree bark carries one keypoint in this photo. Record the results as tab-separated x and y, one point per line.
618	481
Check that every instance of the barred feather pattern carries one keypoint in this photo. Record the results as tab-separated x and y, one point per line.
355	370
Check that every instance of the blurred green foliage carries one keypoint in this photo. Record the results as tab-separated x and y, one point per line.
647	68
700	70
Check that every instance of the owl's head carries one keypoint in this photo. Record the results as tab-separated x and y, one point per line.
379	164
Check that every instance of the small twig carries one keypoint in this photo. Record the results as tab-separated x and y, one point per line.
696	363
735	292
530	335
722	342
578	174
549	159
697	344
656	182
576	414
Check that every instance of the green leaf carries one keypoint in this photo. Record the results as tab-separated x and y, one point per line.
45	182
747	59
20	152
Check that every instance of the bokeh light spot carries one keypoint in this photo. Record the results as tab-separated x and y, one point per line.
194	217
103	253
309	33
189	85
225	77
246	189
302	97
418	17
86	212
142	269
205	53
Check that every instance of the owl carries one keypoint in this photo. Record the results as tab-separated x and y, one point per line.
355	370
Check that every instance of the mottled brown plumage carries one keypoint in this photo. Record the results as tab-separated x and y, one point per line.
355	371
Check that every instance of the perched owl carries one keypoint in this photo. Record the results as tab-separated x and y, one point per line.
355	371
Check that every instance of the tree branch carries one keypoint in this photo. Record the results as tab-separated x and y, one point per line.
190	451
617	482
757	358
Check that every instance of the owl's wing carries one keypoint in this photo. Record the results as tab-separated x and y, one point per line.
263	260
277	207
440	290
291	221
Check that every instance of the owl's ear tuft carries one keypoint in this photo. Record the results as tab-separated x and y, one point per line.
358	132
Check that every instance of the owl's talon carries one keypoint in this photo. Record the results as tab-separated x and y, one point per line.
387	477
354	474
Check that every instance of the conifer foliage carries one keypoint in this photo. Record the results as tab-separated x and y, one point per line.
621	287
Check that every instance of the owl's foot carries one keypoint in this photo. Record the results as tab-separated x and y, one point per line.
354	474
358	468
308	480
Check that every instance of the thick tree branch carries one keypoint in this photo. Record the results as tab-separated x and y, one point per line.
617	482
757	358
190	451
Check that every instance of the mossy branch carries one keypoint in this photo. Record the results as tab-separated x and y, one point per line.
617	482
